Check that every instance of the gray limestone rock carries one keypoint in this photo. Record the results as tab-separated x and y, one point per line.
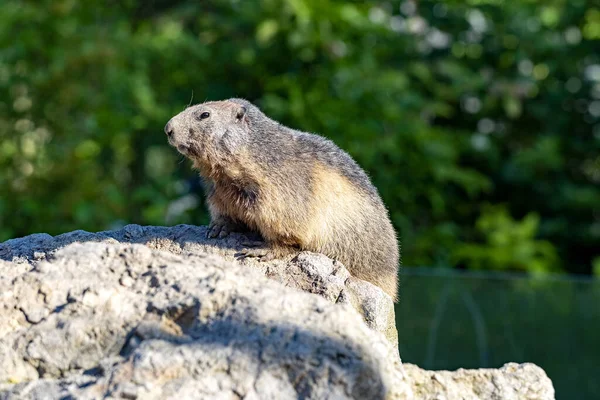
309	272
126	321
511	382
160	313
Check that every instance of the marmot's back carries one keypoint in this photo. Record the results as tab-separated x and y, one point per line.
299	190
348	220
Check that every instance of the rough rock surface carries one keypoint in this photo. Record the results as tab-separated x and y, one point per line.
126	321
309	272
153	313
511	382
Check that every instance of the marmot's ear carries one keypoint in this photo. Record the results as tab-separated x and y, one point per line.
241	112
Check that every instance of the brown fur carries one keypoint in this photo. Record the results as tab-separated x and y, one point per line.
298	190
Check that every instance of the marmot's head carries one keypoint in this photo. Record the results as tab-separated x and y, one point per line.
211	132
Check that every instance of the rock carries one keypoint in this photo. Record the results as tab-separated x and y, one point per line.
153	313
193	327
309	272
511	382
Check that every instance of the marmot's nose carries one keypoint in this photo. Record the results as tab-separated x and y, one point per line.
169	129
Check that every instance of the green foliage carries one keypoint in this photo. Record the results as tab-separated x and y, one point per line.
508	244
596	267
448	106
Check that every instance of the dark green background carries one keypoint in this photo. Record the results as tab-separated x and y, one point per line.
448	320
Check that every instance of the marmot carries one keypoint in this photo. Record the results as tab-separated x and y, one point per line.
297	189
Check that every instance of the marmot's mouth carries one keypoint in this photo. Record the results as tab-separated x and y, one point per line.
186	150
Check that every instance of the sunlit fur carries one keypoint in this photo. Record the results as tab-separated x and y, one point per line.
299	190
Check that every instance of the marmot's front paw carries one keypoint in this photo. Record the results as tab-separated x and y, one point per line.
219	229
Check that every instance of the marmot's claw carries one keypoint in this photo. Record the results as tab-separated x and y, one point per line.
213	231
218	230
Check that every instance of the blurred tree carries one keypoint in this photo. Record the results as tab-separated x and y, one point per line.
448	105
508	245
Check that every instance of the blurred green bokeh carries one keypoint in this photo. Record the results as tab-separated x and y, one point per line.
478	120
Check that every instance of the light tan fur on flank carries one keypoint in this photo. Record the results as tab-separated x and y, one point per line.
335	204
298	190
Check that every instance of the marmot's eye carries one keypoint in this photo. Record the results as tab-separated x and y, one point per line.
204	115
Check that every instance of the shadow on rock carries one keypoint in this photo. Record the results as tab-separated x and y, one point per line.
282	359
